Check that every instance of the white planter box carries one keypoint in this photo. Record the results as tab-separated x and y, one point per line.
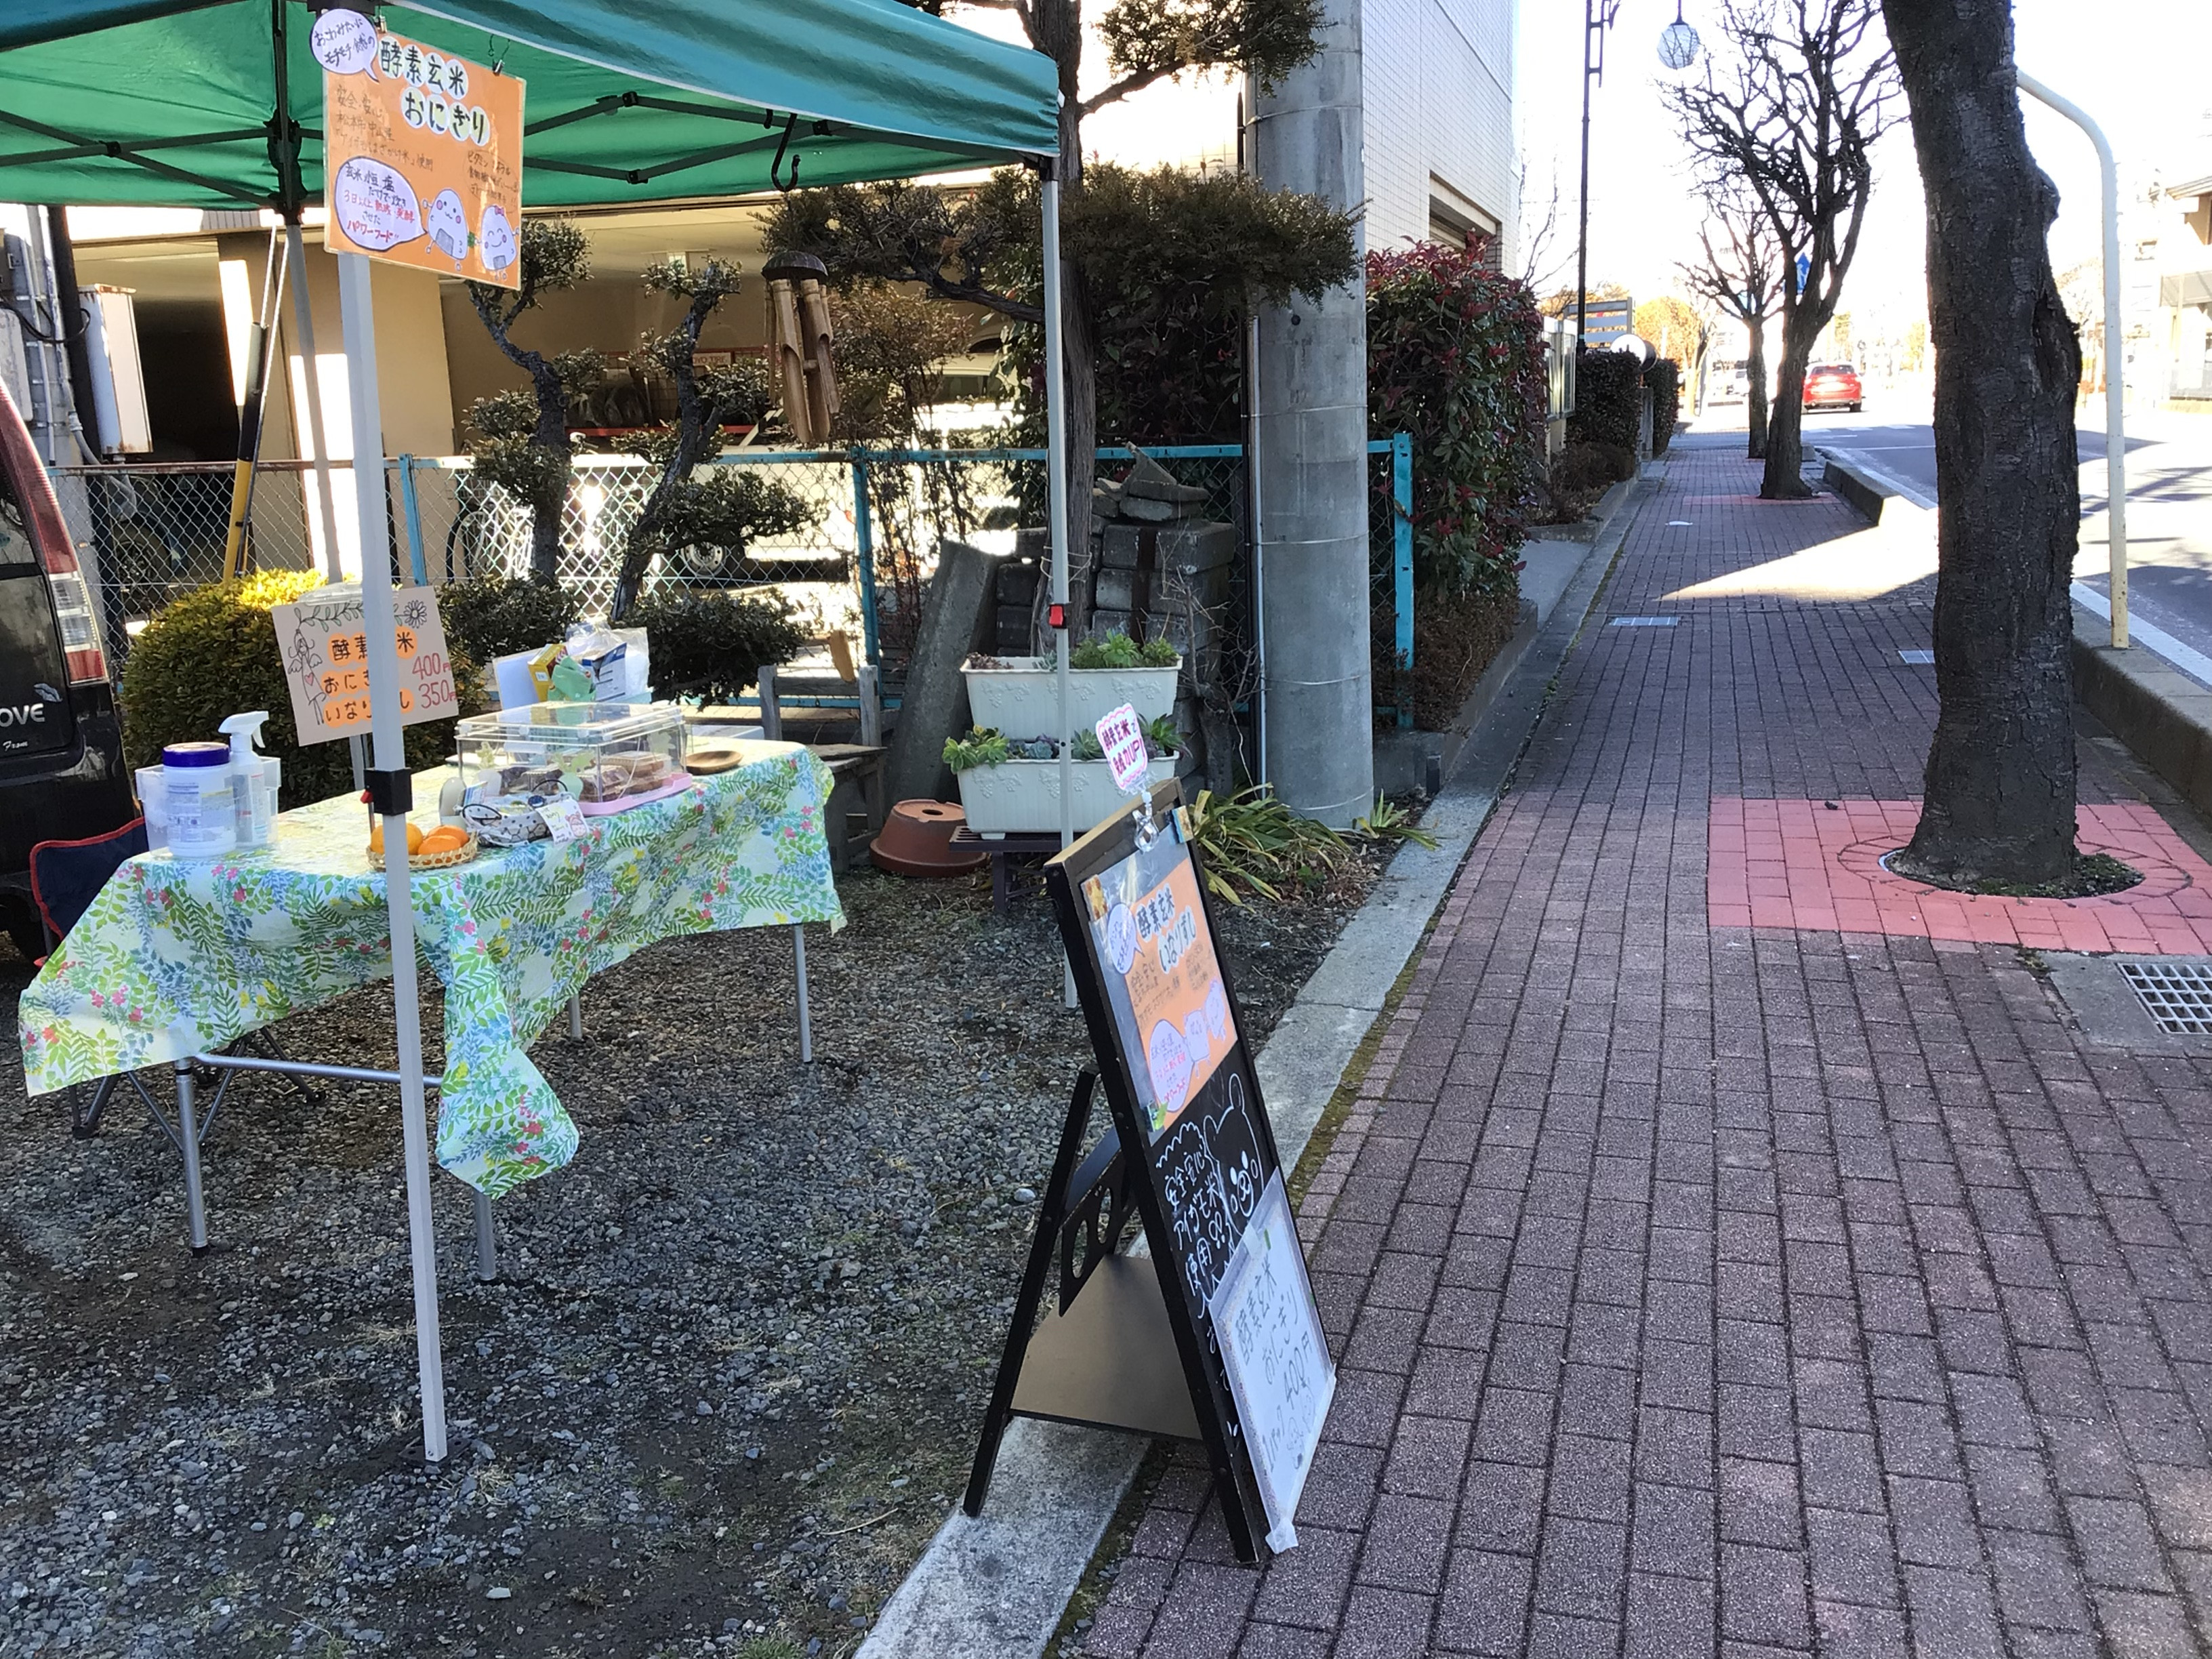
1022	797
1024	701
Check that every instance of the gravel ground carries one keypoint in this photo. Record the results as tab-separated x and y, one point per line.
728	1384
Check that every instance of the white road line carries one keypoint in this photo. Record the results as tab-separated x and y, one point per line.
2193	663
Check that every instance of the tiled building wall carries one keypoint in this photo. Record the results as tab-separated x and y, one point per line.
1439	97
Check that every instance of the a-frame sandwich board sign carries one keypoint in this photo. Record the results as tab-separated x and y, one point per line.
1214	1336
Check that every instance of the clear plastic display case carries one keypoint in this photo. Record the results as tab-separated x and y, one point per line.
605	754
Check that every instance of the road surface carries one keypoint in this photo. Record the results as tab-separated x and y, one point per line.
2169	505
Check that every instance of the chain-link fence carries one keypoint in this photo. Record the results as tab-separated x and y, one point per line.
870	521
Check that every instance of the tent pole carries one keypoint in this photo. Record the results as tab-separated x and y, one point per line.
1057	505
356	312
303	326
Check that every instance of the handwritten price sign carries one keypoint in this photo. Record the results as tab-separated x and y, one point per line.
327	660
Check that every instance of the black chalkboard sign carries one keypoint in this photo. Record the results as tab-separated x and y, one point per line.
1214	1336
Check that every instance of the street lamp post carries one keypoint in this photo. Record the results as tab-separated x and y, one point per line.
1678	50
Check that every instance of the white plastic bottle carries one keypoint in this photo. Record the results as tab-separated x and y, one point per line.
254	779
196	783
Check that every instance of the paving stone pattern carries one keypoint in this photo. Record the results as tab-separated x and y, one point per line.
1708	1290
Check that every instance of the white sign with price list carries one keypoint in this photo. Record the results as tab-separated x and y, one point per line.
1276	1357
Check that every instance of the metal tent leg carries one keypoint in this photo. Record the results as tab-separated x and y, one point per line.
805	1020
576	1016
188	1143
486	1240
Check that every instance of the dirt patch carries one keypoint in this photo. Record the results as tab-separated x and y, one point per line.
727	1386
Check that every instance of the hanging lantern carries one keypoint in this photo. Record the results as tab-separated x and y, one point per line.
1678	42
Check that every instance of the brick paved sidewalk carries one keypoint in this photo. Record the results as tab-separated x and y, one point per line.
1708	1288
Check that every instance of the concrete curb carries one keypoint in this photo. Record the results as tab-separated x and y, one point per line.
2160	713
994	1586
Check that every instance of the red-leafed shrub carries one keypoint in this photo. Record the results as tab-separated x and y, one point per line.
1455	358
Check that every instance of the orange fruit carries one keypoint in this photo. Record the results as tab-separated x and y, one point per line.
376	839
445	838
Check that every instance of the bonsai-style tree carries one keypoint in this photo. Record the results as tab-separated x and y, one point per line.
721	509
1741	274
1147	41
2000	793
1793	111
520	439
1172	262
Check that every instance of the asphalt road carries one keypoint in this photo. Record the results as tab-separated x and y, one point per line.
2169	506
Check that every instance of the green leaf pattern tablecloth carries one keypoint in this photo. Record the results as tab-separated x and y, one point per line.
176	959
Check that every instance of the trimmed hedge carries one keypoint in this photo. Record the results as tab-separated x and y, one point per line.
1608	399
1455	358
1664	376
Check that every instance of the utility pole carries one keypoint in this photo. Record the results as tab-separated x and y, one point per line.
1597	18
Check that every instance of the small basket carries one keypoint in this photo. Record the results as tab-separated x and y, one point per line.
445	860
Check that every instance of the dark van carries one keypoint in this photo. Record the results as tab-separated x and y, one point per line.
62	776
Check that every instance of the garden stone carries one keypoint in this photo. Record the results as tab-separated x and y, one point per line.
1141	507
954	616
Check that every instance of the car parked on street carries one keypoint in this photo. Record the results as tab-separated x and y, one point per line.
1834	386
62	776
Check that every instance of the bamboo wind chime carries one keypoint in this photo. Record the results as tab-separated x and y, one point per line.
800	305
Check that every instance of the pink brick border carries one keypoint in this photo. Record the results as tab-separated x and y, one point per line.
1805	865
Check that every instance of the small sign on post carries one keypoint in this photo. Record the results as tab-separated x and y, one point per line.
424	153
1122	735
324	645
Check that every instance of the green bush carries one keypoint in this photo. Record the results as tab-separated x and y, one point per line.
711	644
212	653
1664	376
1608	399
490	616
1455	358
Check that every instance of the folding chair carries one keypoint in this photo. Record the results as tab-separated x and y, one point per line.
66	876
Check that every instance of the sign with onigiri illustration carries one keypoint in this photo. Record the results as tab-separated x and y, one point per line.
422	153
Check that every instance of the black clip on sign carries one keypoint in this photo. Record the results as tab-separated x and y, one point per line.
1214	1336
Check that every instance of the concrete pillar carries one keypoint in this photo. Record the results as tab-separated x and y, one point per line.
1311	456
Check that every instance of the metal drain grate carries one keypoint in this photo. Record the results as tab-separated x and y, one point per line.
1919	658
2177	995
1644	621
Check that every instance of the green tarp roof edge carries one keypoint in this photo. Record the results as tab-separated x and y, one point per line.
166	101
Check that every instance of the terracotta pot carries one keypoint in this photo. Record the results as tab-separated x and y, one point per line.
916	840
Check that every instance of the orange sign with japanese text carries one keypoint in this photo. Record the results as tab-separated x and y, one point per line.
422	155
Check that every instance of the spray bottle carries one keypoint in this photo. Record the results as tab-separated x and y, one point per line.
254	779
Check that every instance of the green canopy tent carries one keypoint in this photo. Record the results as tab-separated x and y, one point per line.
182	103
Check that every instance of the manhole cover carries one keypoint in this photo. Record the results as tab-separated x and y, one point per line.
2177	995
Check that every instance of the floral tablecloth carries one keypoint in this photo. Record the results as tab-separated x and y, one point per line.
176	959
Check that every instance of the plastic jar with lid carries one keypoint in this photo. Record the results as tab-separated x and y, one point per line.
196	781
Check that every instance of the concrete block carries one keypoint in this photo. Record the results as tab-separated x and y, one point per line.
1185	548
956	618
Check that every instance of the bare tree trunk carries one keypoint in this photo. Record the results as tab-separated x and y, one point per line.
1754	369
1784	477
551	435
1999	791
